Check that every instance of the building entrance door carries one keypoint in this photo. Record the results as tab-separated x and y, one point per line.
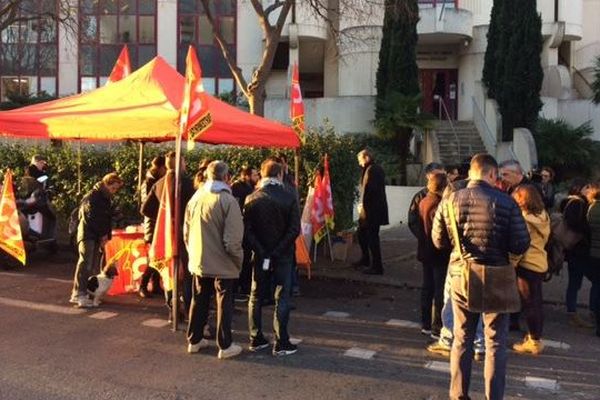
439	84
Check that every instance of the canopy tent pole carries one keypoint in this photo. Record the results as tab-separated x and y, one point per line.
177	258
79	167
140	173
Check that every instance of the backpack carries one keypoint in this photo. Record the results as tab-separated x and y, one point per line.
555	254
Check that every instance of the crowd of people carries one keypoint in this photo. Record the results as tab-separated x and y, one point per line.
236	243
485	235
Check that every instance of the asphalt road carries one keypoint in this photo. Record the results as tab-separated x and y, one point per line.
49	350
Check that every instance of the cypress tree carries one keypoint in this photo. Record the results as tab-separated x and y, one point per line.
492	55
505	31
523	74
397	80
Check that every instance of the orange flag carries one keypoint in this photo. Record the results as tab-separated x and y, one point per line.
163	248
297	106
194	117
122	67
11	240
327	198
317	218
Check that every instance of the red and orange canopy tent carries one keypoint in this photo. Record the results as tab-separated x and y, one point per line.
143	106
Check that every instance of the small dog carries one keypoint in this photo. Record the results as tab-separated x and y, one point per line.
98	285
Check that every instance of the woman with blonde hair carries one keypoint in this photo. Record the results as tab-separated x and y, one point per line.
593	217
532	266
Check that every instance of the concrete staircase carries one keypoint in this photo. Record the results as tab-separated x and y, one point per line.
469	141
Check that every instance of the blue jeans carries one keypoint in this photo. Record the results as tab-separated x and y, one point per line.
281	275
461	357
578	268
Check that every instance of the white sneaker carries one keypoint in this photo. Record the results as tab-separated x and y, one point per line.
84	302
231	351
194	348
74	298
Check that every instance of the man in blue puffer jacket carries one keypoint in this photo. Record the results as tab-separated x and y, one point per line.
490	225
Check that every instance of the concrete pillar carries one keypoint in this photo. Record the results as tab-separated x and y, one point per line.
166	45
67	55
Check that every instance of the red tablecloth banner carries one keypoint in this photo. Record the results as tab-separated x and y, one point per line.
130	254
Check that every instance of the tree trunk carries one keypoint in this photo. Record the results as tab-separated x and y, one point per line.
256	101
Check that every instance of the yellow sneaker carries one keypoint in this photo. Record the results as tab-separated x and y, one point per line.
529	345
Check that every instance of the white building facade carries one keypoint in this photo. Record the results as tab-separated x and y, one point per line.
337	76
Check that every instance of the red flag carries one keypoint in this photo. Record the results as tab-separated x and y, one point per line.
327	198
163	248
194	117
11	240
297	106
122	67
317	218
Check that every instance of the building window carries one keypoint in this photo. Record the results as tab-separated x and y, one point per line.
194	28
29	53
105	26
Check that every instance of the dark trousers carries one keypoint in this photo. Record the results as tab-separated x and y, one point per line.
185	288
595	278
530	289
432	293
203	289
461	357
150	274
243	284
368	238
90	255
281	275
579	267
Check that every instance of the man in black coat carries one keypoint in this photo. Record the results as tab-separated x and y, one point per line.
373	212
93	231
272	224
490	226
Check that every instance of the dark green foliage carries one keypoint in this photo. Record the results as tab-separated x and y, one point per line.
506	16
19	100
491	52
596	83
397	107
123	158
520	102
569	150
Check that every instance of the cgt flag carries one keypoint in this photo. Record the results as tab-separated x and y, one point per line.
11	240
317	218
163	248
327	197
194	117
297	106
122	67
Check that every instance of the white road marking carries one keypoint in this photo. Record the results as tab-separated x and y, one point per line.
363	354
295	340
14	274
336	314
403	324
438	366
41	307
156	323
103	315
60	280
556	345
542	383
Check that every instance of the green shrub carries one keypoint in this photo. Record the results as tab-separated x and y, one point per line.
569	150
122	158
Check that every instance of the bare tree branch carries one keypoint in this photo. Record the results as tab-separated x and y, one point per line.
229	58
277	4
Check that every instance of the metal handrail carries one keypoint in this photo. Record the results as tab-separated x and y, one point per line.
481	117
442	106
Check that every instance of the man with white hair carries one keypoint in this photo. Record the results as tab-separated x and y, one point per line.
213	231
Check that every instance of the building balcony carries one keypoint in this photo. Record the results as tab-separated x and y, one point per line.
443	22
309	25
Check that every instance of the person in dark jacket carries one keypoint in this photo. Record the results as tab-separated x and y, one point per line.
490	225
241	189
435	262
593	217
93	231
272	224
547	185
413	211
150	209
373	212
156	171
574	210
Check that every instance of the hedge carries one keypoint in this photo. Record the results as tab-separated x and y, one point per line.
123	159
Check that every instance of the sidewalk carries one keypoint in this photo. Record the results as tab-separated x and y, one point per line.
402	270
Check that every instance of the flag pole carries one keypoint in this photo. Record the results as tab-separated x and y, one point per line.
176	260
140	172
329	242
